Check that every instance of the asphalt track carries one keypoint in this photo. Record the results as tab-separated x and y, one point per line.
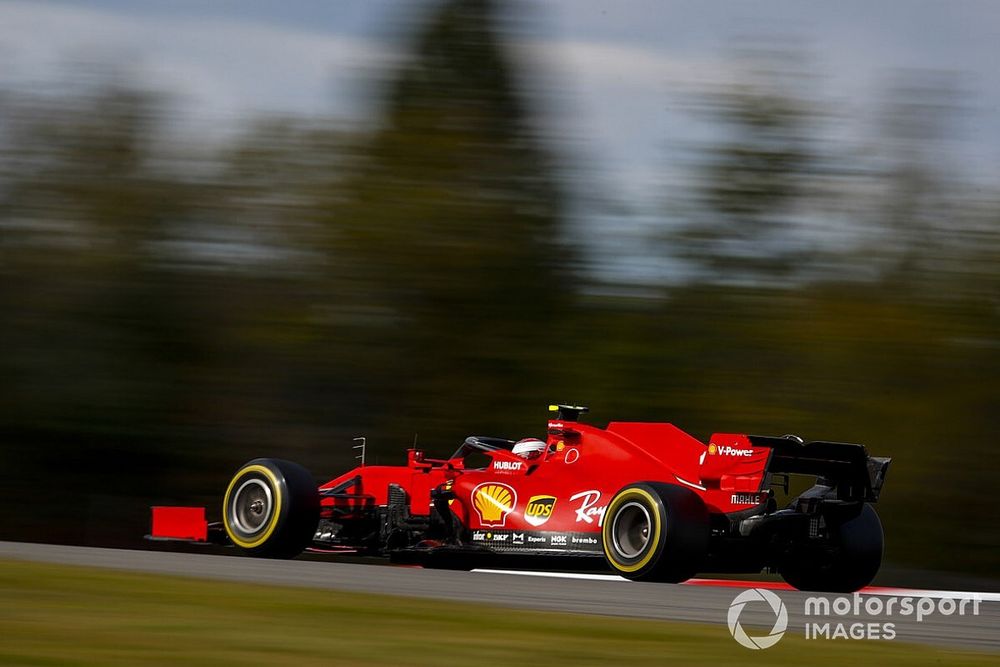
702	601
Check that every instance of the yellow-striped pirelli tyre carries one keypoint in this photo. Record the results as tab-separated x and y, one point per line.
271	508
655	532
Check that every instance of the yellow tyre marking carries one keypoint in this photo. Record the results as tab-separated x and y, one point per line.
273	521
654	540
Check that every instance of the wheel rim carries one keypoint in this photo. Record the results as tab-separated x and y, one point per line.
630	530
252	506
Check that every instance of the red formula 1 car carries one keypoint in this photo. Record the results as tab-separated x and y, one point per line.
646	499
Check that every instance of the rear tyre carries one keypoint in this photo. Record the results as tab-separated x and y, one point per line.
859	544
655	532
271	508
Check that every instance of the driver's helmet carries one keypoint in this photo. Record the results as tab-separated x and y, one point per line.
528	448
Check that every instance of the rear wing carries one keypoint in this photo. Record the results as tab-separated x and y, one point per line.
844	466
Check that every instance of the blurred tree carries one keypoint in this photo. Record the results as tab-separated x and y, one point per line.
95	345
452	225
741	224
930	219
887	342
84	205
172	309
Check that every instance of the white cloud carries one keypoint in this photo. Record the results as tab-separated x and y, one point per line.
610	75
620	104
224	69
223	66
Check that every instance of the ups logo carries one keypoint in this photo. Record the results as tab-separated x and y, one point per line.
539	509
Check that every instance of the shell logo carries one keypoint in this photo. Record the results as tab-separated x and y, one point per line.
712	448
493	502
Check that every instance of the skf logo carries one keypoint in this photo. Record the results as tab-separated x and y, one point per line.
507	466
726	450
539	509
493	502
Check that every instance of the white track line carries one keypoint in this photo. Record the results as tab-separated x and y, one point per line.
921	593
877	590
558	575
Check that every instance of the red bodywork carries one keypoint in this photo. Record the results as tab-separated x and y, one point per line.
567	487
489	503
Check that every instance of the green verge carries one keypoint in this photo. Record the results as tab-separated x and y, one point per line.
58	615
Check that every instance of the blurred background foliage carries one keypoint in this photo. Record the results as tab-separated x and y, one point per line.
172	309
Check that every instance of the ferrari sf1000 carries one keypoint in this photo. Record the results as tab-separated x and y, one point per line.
646	500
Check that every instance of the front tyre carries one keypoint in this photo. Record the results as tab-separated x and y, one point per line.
655	532
271	508
859	543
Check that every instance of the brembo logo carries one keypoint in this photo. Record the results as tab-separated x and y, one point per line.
493	502
726	450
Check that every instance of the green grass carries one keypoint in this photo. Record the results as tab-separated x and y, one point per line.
57	615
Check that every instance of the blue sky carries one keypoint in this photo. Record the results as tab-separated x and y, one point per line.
610	76
613	69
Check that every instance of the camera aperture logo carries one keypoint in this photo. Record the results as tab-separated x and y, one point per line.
780	618
871	617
